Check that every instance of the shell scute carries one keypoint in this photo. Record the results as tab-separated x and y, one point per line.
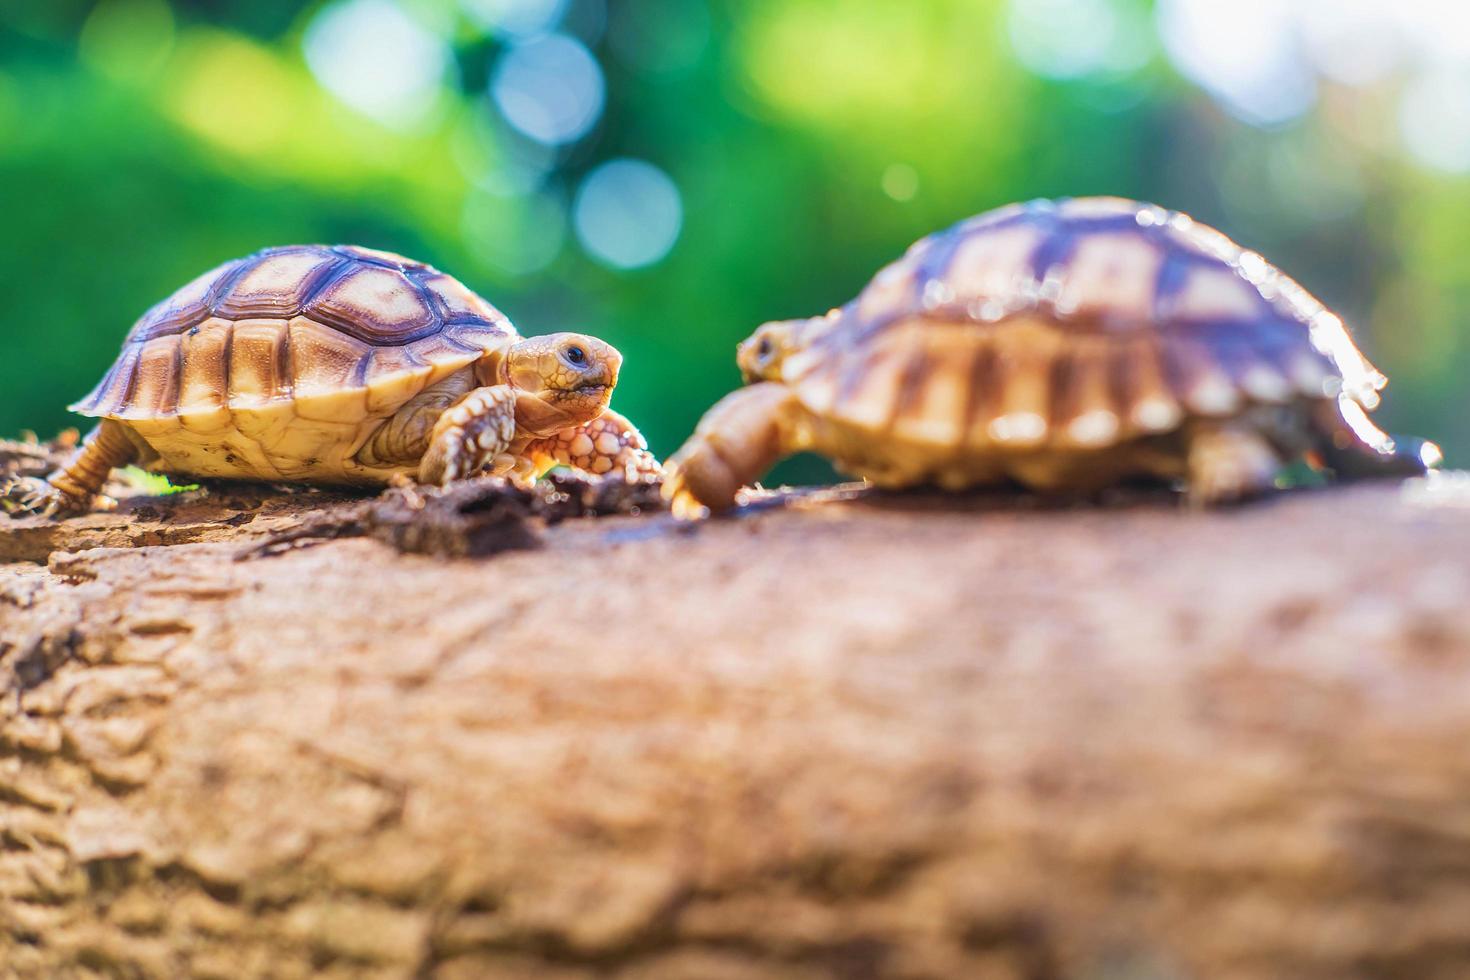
206	355
1084	405
374	304
1111	276
324	360
186	307
1198	380
459	301
478	335
110	396
393	375
995	269
441	357
260	362
1142	393
1028	352
866	388
1214	294
156	383
378	256
937	386
277	285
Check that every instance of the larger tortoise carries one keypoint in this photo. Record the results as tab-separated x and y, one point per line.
1063	345
342	365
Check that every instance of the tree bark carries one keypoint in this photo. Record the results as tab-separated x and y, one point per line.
873	738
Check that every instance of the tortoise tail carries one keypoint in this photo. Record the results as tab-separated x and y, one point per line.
1354	448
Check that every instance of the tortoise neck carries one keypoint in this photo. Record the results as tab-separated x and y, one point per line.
491	369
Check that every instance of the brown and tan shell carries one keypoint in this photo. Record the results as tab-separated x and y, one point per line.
1068	325
220	377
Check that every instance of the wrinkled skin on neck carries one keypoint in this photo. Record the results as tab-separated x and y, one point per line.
561	380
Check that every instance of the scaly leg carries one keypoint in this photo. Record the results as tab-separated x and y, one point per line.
609	444
71	489
469	435
1229	462
737	441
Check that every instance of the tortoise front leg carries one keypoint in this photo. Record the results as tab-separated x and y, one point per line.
72	488
736	442
469	435
608	444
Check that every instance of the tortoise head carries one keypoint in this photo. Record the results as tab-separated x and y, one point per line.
566	378
762	355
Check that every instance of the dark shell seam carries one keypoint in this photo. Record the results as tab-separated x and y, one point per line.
436	303
224	285
333	273
227	361
285	376
360	370
910	383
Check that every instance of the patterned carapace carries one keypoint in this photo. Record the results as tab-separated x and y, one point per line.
293	320
1165	316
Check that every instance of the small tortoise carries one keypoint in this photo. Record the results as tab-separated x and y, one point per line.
342	365
1062	345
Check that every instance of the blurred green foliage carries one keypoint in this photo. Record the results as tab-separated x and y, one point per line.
142	142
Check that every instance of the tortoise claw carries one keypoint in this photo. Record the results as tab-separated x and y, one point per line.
683	504
685	507
28	495
640	466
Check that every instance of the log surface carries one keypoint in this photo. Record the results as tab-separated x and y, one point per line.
874	738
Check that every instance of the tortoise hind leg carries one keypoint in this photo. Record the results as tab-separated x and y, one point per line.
1228	462
72	488
1354	448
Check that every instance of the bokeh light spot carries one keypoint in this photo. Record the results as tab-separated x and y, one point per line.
900	182
127	40
377	59
235	93
1439	28
1434	120
496	157
549	88
1245	53
1354	42
628	213
1072	38
516	18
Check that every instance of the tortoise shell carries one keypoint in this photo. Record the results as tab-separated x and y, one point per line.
298	323
1074	324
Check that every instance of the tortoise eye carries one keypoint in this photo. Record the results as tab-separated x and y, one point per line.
575	355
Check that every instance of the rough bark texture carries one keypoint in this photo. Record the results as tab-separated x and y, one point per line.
872	738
